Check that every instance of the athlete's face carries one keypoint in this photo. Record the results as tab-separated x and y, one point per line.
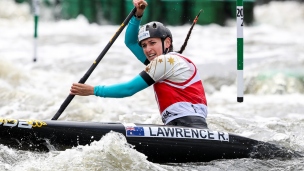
153	47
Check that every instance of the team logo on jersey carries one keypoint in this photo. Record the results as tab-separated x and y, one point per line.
147	69
171	60
167	115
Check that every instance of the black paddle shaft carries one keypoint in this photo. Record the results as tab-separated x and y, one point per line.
95	63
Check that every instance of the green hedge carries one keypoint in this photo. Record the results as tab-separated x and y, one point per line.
170	12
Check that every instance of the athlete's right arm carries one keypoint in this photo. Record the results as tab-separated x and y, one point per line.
126	89
131	40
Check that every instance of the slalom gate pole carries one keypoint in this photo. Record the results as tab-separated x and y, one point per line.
95	63
240	50
36	18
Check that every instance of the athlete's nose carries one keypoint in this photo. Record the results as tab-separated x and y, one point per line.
148	49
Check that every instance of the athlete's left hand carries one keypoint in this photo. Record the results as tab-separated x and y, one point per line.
140	6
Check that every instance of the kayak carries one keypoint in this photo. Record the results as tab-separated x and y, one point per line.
160	143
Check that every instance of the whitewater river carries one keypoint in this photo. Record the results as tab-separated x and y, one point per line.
272	111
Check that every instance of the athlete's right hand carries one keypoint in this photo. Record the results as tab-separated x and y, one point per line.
82	89
140	6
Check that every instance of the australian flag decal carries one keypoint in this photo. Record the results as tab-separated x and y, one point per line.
135	131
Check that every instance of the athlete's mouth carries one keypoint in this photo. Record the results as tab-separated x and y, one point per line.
151	55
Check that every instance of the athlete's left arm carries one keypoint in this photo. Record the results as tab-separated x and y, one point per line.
131	40
125	89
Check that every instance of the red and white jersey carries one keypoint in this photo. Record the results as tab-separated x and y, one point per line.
178	88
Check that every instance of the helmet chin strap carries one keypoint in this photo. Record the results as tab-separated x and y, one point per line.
165	51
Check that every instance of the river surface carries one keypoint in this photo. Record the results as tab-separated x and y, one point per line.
272	111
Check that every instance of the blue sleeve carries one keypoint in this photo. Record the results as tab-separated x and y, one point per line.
121	90
131	40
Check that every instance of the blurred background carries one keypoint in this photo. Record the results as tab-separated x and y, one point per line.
177	12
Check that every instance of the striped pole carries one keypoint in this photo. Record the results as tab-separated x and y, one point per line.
240	50
36	17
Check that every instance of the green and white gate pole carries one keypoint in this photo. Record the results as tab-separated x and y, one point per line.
240	50
36	17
